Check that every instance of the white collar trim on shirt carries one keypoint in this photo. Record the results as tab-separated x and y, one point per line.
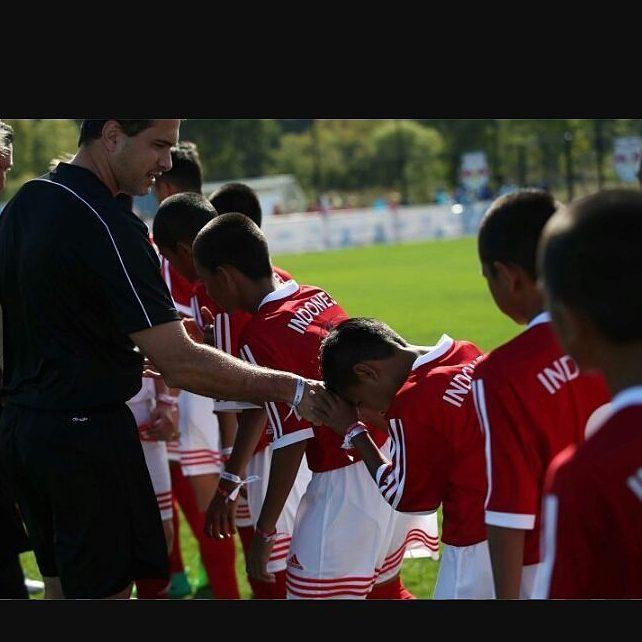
628	397
443	345
282	292
542	317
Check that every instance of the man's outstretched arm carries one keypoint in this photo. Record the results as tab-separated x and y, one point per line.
212	373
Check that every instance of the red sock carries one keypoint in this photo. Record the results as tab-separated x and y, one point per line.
151	589
391	590
178	490
219	557
278	590
260	590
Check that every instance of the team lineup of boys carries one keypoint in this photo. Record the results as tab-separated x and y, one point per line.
412	428
532	451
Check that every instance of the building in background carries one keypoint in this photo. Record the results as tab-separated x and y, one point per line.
280	194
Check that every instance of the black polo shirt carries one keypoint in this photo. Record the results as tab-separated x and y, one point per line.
77	275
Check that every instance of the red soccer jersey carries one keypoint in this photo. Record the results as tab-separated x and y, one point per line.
593	511
531	403
180	288
286	334
437	448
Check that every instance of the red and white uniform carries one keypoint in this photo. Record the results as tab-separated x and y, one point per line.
438	459
199	443
531	403
343	531
592	542
155	452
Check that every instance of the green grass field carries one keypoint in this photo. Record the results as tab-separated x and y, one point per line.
421	290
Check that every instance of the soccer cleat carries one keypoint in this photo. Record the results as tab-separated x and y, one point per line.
202	581
34	586
179	586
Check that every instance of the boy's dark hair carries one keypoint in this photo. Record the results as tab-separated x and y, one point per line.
233	239
511	229
180	218
590	260
352	342
186	173
6	135
237	197
93	129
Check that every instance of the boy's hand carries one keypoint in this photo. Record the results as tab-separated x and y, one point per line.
337	414
257	560
164	423
220	518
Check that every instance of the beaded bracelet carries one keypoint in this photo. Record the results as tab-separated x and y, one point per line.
355	429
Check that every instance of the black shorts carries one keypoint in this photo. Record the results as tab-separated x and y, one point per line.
86	497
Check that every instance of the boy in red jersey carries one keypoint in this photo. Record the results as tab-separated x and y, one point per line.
437	456
531	400
179	219
289	321
591	269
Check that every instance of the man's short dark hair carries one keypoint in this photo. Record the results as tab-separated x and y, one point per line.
590	257
180	218
93	129
351	342
512	226
186	173
237	197
233	239
6	135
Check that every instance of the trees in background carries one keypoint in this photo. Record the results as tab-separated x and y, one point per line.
370	158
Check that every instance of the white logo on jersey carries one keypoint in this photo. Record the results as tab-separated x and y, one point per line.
634	482
461	384
304	315
561	371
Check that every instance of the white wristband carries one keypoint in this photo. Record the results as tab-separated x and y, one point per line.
235	479
298	393
226	452
356	429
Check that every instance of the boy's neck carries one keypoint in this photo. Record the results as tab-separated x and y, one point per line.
531	306
622	366
406	357
259	290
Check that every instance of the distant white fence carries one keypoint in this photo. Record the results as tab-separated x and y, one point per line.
314	232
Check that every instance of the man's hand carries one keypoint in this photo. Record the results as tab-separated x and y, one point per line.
336	413
164	422
220	518
312	403
257	560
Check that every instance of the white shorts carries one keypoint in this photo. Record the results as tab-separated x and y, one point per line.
342	536
155	451
158	465
200	437
465	573
529	581
260	465
242	517
412	536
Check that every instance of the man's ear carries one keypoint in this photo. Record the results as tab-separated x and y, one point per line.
365	372
111	135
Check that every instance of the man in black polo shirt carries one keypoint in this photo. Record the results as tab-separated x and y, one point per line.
80	288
